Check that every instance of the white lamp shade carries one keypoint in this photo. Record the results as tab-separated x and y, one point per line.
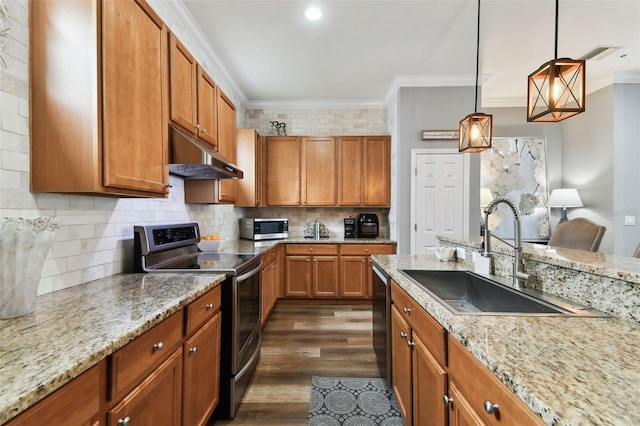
564	198
485	197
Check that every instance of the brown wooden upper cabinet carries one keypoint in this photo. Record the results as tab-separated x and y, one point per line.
193	95
99	118
301	171
364	170
226	143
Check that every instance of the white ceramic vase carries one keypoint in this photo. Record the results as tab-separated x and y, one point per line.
24	244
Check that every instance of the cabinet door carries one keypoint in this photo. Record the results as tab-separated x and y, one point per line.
283	171
207	124
298	282
349	171
318	156
156	401
429	387
401	364
376	171
135	133
226	143
248	160
325	276
460	411
267	292
201	374
183	86
353	276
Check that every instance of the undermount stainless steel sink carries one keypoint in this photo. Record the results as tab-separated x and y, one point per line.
464	292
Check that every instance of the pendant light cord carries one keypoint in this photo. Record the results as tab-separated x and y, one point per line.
556	51
478	57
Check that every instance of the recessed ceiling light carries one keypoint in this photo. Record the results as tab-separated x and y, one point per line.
313	13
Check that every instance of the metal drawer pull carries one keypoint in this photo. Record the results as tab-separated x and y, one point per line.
209	306
406	310
193	350
158	346
490	407
124	422
447	400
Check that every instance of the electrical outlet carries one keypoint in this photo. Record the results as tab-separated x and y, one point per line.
461	253
629	220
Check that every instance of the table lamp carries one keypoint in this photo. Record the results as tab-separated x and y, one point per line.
564	198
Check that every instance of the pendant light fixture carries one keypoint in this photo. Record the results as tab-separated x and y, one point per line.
475	129
557	89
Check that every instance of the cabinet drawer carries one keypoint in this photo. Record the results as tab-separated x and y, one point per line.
203	308
478	385
130	363
321	249
365	249
430	331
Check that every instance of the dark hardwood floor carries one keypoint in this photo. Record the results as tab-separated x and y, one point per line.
302	340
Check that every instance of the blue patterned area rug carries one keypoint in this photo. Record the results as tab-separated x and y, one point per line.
345	401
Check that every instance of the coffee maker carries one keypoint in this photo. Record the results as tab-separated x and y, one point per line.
349	227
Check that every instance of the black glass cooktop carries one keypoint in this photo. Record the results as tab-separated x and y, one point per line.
209	262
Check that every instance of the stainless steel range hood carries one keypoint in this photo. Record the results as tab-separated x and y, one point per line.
194	159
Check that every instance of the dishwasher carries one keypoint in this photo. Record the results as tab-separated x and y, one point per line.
381	315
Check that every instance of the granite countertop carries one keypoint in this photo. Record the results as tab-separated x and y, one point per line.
606	265
71	330
569	370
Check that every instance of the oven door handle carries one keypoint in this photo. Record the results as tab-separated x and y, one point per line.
248	275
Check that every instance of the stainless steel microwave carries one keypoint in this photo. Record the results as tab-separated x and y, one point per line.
264	228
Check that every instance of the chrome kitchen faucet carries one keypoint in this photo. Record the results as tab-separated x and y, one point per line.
519	276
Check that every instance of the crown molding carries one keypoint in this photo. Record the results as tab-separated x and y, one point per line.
311	104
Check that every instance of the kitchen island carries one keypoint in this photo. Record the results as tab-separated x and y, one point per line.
568	370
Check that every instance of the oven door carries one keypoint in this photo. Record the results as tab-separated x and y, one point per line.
246	302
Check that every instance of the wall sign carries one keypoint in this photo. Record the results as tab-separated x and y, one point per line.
440	134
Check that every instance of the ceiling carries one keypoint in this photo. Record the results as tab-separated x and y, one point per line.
360	51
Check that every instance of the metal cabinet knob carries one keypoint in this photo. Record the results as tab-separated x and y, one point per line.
124	422
209	306
307	259
204	130
197	126
193	350
410	344
310	248
363	261
223	194
490	407
158	346
169	185
406	310
403	334
366	250
447	400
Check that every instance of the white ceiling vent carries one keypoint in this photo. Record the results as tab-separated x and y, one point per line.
599	52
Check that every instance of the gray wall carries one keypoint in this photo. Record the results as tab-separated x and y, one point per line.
587	161
429	108
626	171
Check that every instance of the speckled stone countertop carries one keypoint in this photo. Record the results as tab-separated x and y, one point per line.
73	329
571	371
605	265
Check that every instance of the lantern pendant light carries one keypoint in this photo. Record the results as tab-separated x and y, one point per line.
557	89
475	129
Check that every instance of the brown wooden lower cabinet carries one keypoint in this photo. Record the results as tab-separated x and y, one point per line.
311	270
201	390
270	282
77	403
437	381
331	270
155	401
419	380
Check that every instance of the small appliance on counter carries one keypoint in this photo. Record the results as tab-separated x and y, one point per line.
264	228
367	225
349	227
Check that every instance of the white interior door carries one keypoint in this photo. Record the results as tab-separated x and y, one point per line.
440	194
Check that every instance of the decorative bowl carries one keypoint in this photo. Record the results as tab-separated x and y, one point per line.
444	254
210	246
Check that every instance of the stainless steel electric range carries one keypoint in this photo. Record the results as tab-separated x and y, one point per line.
174	248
